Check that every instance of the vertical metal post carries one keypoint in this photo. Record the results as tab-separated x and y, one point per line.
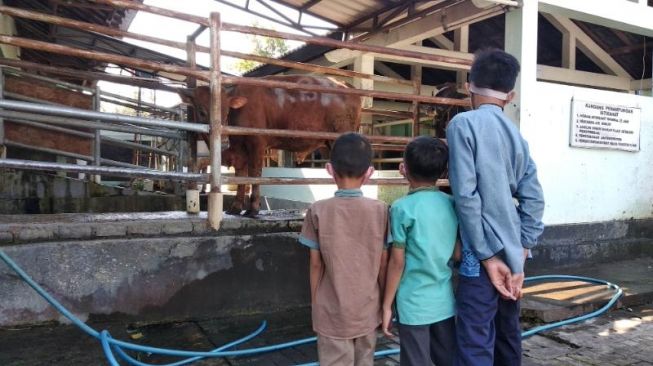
416	73
215	197
3	149
97	139
191	82
181	149
416	77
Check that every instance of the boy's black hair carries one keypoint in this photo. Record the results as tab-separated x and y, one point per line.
351	155
426	158
494	69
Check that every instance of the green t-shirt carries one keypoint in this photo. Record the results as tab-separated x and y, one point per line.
424	223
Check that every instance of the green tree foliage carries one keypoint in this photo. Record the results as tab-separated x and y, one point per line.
262	46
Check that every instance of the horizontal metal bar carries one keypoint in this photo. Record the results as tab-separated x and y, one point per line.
309	67
48	150
307	181
248	131
155	10
347	91
26	98
46	126
376	160
24	74
69	154
87	75
325	41
135	101
71	122
102	56
111	117
136	146
100	170
200	178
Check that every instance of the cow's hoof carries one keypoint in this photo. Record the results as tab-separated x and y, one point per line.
251	213
233	211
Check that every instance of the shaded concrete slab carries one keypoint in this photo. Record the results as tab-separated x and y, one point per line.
618	338
553	301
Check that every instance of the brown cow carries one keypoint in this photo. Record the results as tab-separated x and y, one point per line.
444	113
277	108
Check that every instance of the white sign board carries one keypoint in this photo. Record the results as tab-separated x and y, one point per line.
604	126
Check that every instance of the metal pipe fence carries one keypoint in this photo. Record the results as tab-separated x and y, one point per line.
76	117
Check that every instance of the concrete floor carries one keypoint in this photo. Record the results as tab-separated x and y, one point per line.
623	337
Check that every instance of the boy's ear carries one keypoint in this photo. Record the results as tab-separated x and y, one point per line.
511	96
402	169
368	175
329	169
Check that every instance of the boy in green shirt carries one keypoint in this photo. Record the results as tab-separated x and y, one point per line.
424	230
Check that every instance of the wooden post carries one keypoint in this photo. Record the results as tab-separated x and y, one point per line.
215	196
461	43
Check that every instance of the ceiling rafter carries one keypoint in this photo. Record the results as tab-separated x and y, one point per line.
307	11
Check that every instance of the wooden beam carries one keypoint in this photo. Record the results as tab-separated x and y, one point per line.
583	78
641	84
568	50
344	55
631	48
386	70
617	14
449	18
443	42
588	46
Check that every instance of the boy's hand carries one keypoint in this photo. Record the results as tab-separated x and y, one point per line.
517	280
386	325
500	276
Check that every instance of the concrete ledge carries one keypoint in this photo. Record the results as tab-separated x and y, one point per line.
23	229
157	278
584	244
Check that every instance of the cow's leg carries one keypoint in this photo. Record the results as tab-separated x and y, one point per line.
256	152
238	204
238	159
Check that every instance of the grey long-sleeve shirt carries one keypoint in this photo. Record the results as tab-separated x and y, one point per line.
489	165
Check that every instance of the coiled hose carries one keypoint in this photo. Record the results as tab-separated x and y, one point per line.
110	345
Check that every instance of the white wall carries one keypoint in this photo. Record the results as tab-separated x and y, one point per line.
306	193
589	185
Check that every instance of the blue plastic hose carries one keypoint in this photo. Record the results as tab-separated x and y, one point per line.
122	354
136	347
109	345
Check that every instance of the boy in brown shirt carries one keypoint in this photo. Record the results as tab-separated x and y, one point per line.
347	238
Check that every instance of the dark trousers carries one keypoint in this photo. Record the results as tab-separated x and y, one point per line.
423	344
487	327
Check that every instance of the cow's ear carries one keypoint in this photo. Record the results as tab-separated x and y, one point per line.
237	102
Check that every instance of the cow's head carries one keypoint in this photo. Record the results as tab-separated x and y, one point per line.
200	98
444	113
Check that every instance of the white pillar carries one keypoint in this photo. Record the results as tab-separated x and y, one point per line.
521	42
365	64
461	43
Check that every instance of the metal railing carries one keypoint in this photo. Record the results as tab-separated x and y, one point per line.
73	117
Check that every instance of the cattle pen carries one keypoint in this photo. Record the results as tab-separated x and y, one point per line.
154	126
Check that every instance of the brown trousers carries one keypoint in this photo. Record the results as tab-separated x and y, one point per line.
346	352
